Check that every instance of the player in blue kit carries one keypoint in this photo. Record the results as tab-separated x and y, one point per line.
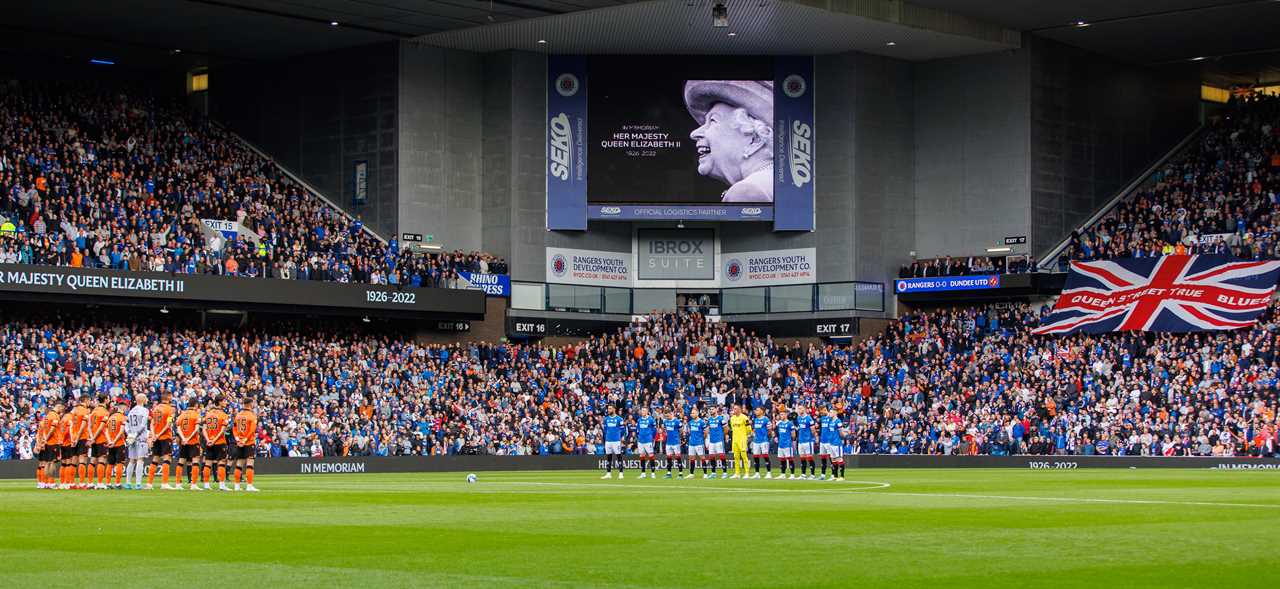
646	428
786	451
832	445
672	427
716	425
760	443
613	428
804	442
697	443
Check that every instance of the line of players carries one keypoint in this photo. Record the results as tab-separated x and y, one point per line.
706	438
95	443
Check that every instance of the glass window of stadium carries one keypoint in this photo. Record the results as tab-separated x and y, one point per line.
650	300
707	302
526	295
783	299
617	300
744	300
567	297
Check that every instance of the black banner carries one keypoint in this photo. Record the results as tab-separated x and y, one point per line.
491	463
44	283
25	469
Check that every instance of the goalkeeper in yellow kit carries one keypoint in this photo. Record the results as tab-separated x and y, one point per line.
740	424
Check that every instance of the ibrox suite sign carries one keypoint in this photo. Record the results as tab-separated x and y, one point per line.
946	283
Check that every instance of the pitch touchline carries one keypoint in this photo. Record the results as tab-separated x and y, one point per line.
1080	499
870	485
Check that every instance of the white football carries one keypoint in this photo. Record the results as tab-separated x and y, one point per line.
471	478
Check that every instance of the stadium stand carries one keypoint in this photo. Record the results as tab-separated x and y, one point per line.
114	178
1220	198
944	381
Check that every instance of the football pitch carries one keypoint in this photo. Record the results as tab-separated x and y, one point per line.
882	528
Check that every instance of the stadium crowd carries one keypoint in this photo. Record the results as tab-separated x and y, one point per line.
947	381
1220	198
91	177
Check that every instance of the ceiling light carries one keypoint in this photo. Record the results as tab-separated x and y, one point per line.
333	23
175	51
164	310
999	250
102	61
542	41
1080	24
365	319
891	43
1201	58
732	34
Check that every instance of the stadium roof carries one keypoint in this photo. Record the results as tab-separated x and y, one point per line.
1237	36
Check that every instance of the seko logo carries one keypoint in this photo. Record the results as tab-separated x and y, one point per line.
801	153
559	148
610	210
751	212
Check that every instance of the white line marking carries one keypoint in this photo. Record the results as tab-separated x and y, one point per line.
847	487
1082	499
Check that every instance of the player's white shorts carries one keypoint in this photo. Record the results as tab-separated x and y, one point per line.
835	451
644	449
715	448
697	450
805	449
613	447
759	449
139	448
786	452
673	449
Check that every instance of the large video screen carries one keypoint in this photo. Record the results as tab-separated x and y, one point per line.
680	137
697	131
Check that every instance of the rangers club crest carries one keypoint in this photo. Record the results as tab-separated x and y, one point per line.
733	270
567	85
559	265
794	86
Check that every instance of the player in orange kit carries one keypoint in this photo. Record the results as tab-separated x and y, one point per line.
80	428
245	432
188	426
116	450
67	450
48	447
161	441
215	443
98	435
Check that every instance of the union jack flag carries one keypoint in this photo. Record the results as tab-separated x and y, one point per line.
1171	294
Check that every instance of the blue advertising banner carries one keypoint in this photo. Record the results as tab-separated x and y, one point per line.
944	283
793	143
494	285
680	213
566	142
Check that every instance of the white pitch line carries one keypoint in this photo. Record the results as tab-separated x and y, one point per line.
1081	499
870	485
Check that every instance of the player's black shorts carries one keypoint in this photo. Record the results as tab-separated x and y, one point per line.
162	448
189	451
215	452
117	454
48	453
82	448
243	452
99	450
68	452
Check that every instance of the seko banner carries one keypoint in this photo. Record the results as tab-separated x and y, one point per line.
21	281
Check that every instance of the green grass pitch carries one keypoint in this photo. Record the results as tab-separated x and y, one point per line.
883	528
